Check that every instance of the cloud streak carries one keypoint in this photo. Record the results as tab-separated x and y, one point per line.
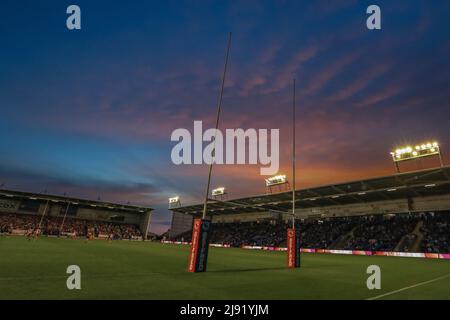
91	114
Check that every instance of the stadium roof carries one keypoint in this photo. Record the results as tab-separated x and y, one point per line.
19	195
421	183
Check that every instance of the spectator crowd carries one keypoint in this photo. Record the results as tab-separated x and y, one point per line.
52	226
380	233
436	231
370	233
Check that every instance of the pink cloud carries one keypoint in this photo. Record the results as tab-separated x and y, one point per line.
386	93
361	82
320	79
285	76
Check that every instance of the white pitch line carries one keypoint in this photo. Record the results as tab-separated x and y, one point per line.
407	288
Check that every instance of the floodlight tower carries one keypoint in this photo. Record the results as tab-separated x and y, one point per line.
201	229
409	153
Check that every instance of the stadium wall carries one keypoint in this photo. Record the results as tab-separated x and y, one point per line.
144	226
57	210
180	223
9	205
244	217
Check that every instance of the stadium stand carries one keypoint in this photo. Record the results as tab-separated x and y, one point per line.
15	223
372	233
379	233
22	213
405	212
436	232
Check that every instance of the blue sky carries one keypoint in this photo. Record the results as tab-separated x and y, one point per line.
90	112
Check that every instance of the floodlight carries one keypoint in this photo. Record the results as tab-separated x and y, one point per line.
218	191
174	200
426	149
279	179
419	151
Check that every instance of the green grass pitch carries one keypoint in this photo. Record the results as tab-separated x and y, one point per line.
143	270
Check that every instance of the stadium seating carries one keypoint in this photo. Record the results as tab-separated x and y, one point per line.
436	232
371	233
51	226
379	233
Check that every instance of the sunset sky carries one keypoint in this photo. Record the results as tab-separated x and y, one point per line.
90	112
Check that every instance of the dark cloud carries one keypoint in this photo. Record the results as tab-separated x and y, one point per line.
137	193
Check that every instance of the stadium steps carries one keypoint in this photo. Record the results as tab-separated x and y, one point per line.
419	236
400	244
416	243
342	240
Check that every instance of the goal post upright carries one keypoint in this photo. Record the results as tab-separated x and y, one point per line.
293	235
293	157
201	230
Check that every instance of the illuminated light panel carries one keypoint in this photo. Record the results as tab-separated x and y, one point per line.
421	150
279	179
174	200
218	191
